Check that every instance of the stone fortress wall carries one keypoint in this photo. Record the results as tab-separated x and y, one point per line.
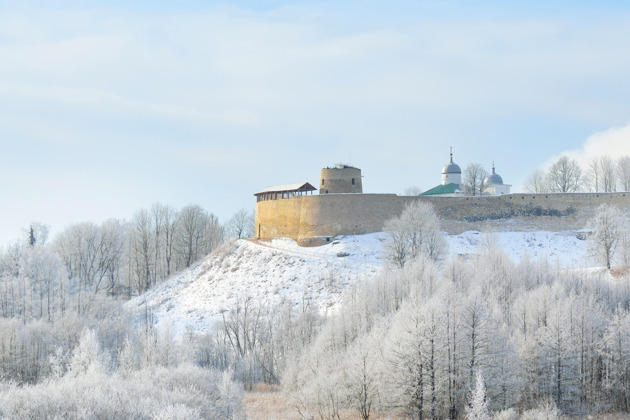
315	219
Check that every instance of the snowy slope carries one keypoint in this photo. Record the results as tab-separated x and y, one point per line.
562	247
269	272
278	270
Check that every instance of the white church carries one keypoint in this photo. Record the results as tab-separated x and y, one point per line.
452	180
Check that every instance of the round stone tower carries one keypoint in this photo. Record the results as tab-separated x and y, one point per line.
340	179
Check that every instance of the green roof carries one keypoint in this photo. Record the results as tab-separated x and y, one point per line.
442	189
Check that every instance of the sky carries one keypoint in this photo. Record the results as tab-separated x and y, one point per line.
109	107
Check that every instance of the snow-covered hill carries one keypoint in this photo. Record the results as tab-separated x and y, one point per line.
278	270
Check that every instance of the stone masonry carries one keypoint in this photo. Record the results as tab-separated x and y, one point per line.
316	219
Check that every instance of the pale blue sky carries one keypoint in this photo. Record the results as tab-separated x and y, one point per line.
107	107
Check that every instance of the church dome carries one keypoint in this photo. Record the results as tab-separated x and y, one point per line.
493	179
451	168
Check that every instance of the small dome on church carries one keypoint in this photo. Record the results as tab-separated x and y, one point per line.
493	179
451	168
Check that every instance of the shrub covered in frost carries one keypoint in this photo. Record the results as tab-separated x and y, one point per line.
155	393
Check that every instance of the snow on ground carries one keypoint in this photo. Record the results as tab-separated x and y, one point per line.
279	270
270	272
565	248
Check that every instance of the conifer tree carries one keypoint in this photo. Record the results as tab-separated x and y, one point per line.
478	406
31	237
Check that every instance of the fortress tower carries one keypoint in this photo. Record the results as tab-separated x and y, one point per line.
340	179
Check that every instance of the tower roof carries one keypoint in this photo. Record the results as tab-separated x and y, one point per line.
451	167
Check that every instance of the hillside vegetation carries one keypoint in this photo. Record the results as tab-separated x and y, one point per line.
526	323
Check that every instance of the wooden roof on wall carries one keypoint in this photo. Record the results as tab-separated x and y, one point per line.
300	186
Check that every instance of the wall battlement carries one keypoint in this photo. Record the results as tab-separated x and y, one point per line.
313	219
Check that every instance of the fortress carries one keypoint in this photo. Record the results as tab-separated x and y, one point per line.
341	207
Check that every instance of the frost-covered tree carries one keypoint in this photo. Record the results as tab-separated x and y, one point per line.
606	231
113	256
558	360
87	356
547	410
182	392
241	328
362	380
141	253
475	336
57	363
169	221
592	176
615	349
231	395
415	232
537	182
478	406
240	225
45	271
472	179
537	332
198	233
623	173
93	257
412	191
609	174
601	174
128	358
564	175
416	357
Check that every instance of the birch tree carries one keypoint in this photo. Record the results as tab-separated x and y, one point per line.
415	357
623	173
198	233
142	257
606	232
362	379
593	175
537	182
616	351
241	225
416	231
472	179
564	175
609	174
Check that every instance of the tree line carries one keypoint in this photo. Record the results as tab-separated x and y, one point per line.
415	341
69	349
602	174
114	257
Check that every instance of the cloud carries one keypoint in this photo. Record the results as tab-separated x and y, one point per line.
614	142
242	67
